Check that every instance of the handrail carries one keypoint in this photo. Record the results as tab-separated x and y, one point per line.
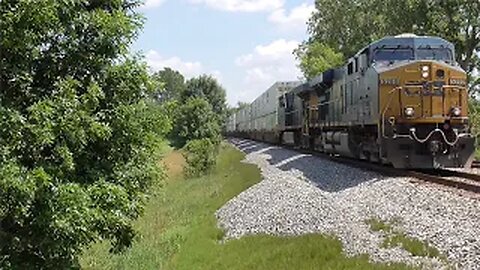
386	108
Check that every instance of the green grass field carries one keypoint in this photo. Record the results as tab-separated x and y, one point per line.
178	230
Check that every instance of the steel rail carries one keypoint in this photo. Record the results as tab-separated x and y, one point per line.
441	177
476	164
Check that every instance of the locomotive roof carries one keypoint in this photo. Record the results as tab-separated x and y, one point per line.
407	40
404	40
414	42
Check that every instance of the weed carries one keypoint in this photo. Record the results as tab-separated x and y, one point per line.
377	225
412	245
398	239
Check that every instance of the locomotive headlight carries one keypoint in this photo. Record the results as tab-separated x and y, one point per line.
456	112
409	112
425	72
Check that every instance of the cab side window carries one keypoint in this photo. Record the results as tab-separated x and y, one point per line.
350	68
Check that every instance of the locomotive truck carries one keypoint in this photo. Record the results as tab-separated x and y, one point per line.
401	100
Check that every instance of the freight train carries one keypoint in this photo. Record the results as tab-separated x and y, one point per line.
401	100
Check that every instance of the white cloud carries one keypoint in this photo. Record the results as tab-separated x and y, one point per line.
152	3
242	5
297	18
266	65
187	68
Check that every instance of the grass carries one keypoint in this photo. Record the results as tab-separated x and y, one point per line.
412	245
377	226
179	230
477	153
398	239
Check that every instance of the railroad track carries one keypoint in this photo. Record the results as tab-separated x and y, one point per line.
455	179
476	164
452	179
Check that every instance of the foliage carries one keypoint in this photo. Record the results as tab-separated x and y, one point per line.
474	118
172	85
196	120
349	28
180	231
200	157
377	226
241	105
208	88
358	23
78	141
317	57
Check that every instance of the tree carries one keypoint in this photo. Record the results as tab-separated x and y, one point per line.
357	23
240	106
316	57
196	119
208	88
459	22
172	82
78	141
347	29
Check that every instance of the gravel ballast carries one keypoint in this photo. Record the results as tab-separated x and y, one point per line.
302	194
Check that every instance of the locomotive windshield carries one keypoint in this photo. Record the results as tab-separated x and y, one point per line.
393	54
441	54
404	54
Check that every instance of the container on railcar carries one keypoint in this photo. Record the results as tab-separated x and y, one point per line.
260	119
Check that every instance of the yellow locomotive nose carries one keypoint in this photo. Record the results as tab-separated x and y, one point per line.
429	108
425	72
424	92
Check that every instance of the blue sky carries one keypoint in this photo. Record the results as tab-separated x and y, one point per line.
245	44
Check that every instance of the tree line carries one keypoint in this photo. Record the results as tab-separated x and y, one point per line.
198	111
338	29
82	122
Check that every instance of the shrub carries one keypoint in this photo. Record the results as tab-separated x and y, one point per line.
200	156
78	141
196	120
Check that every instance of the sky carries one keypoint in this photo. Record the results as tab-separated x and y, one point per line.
246	44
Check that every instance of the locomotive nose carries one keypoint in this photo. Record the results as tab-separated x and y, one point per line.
434	91
430	98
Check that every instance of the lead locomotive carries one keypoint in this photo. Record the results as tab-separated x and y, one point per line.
401	100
